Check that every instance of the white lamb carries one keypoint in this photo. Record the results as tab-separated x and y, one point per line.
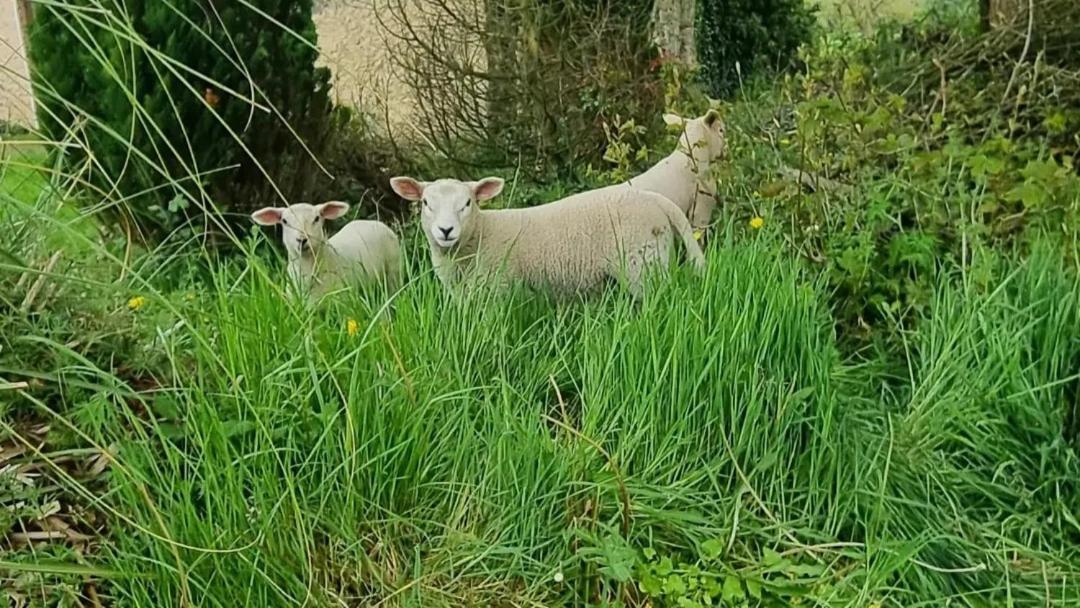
362	249
570	246
684	175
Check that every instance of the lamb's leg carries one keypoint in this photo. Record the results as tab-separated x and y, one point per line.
653	256
702	211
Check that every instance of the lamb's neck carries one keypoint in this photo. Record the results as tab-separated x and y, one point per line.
696	160
309	264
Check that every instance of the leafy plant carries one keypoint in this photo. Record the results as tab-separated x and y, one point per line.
880	192
738	37
185	111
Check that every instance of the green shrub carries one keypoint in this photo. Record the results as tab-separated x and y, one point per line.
360	162
742	35
898	181
174	109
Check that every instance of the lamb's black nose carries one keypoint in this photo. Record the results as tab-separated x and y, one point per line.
303	242
446	231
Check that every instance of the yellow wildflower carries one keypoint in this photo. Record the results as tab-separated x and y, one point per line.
698	234
136	303
352	327
757	223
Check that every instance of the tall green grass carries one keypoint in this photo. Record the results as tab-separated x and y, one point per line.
462	451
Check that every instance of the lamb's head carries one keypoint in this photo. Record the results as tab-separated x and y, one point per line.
301	224
447	206
704	136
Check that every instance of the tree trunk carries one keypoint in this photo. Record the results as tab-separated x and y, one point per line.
498	31
673	29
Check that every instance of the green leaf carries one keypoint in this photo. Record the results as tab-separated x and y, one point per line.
773	561
712	549
617	558
753	587
674	585
1045	171
650	585
1032	195
733	591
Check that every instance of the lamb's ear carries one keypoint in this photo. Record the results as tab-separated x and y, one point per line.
487	188
267	216
408	188
711	118
332	210
673	120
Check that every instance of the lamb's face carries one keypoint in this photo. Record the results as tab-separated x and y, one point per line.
302	225
704	134
445	212
447	206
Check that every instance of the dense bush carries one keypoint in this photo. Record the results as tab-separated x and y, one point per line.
360	161
176	108
533	84
891	157
741	35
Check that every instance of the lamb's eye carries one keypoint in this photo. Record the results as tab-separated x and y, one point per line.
284	222
317	220
468	202
424	202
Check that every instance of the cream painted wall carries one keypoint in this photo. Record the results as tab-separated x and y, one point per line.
16	102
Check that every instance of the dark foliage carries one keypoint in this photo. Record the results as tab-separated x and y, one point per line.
182	113
749	34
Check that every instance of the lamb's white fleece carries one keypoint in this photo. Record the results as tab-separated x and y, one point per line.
570	246
362	249
684	175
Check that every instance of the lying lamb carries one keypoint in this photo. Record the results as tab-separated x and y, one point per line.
362	249
683	176
569	246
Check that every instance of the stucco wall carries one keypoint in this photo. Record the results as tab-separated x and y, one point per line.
16	104
358	52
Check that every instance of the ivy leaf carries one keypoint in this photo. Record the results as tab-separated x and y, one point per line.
1031	194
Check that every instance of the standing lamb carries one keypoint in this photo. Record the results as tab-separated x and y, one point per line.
684	175
569	246
362	249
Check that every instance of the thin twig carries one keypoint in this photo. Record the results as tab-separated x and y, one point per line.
31	295
1023	54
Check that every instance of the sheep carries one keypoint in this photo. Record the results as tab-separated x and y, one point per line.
683	176
361	249
571	246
